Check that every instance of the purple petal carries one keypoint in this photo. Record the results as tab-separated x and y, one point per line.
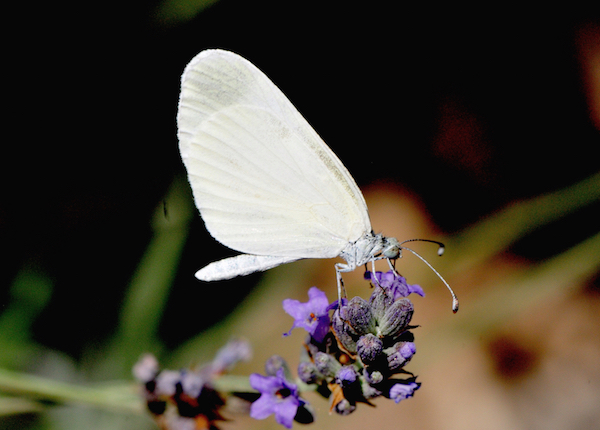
264	384
293	308
400	392
321	328
286	410
271	401
318	299
263	407
408	350
396	283
313	316
414	288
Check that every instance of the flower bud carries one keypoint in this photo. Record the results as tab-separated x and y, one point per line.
167	382
357	313
344	333
192	383
346	376
308	373
373	377
400	354
146	369
326	364
396	318
273	364
380	301
369	347
344	407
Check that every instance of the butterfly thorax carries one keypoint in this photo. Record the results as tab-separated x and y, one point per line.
367	248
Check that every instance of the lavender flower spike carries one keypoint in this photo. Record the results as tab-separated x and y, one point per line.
396	283
278	396
313	316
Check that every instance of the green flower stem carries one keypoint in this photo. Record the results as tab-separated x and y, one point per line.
233	384
117	396
496	233
150	285
16	405
122	397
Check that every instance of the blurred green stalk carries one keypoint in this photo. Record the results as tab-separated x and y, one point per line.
495	233
119	397
151	284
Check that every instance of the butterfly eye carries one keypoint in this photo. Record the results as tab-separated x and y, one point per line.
392	250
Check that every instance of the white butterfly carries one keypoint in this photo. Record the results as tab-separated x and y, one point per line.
264	182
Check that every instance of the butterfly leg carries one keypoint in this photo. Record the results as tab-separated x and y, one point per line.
392	266
339	269
373	275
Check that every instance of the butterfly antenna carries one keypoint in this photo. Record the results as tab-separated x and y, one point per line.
440	252
441	246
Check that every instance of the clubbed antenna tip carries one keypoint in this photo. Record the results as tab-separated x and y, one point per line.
454	305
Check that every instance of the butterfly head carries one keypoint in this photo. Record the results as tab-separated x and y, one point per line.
391	248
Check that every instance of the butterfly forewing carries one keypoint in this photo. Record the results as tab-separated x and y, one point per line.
263	180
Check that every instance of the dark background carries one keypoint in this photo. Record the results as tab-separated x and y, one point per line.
470	109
